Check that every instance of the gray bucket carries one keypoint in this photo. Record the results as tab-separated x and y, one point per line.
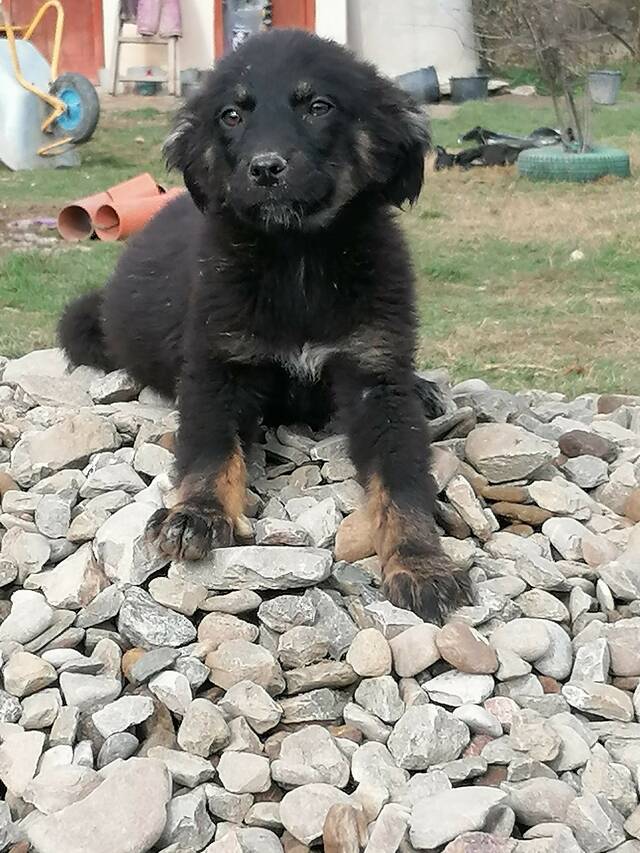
422	85
604	86
469	88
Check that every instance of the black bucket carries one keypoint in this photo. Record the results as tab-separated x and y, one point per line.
422	85
469	88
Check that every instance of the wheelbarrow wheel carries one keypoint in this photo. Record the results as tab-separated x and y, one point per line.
83	106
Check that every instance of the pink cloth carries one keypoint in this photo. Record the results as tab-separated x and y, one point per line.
159	17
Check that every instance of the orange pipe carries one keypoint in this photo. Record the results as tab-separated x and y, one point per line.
117	220
75	220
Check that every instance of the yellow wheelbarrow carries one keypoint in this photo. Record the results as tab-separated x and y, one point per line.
43	115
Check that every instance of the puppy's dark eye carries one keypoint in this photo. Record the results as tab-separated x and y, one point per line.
320	107
231	117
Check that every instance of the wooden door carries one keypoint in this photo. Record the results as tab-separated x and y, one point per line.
284	13
82	39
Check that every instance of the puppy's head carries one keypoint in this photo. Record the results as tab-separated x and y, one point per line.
290	128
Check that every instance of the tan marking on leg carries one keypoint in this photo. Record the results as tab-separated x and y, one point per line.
228	486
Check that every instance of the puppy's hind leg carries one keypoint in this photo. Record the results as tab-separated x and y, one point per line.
212	492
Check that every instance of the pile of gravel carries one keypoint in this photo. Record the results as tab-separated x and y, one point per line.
268	698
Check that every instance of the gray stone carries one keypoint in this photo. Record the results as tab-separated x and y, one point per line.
244	772
503	452
74	582
203	729
380	696
239	660
67	444
601	700
303	811
301	646
185	769
459	688
447	815
122	714
117	747
371	726
145	623
19	755
540	800
370	654
114	387
178	595
188	822
52	516
321	705
40	710
586	471
151	663
310	755
254	567
284	612
597	825
173	690
415	649
334	621
26	673
59	787
251	701
89	692
227	806
275	531
136	792
592	662
121	547
103	607
427	735
30	615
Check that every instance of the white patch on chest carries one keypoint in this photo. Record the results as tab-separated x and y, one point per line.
307	362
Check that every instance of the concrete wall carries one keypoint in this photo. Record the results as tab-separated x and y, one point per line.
331	19
196	45
404	35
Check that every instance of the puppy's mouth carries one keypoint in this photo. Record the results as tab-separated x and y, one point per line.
278	214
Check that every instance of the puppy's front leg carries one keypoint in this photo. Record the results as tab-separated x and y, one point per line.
210	462
389	446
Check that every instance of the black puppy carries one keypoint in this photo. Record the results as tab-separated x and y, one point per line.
289	276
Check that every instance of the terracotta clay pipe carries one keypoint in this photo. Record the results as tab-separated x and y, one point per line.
75	221
117	220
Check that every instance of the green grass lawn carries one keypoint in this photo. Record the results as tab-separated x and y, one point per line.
500	296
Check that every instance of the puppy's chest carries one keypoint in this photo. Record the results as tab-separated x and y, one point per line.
292	317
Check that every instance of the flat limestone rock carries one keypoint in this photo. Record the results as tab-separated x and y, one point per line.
125	814
258	567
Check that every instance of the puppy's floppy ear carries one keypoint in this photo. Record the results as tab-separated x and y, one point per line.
184	150
413	143
401	139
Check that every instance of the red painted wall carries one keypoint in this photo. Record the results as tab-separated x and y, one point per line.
82	39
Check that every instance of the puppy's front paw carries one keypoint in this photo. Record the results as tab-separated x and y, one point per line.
189	532
430	585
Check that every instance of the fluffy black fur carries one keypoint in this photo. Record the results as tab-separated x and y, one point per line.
283	289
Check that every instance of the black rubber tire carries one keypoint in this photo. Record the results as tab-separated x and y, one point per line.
553	163
88	102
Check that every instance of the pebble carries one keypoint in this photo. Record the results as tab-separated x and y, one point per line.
144	622
244	773
303	811
203	729
466	650
30	615
601	700
415	649
427	735
239	660
369	655
26	673
308	756
459	688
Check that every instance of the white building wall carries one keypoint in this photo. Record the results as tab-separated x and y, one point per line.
402	35
331	20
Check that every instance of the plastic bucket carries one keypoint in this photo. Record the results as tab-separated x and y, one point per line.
469	88
422	85
604	86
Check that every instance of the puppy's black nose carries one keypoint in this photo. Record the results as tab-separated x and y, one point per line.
265	169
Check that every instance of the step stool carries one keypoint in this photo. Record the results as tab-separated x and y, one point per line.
172	79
